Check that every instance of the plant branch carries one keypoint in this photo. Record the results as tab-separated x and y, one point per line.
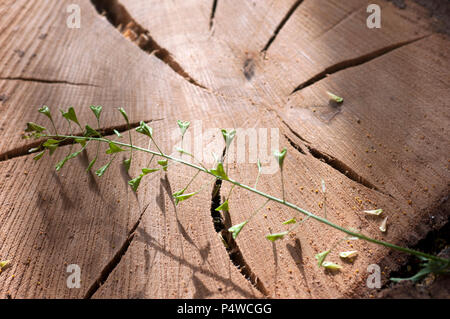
267	196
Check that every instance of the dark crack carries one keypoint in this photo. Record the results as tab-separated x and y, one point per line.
290	128
24	150
112	264
281	24
343	168
283	122
354	62
213	13
295	145
46	81
121	19
345	17
332	161
221	225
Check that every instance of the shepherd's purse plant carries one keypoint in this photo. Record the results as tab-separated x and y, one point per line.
52	140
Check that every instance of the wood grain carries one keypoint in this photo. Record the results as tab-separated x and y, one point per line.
258	66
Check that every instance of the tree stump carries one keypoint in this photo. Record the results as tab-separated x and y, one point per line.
258	66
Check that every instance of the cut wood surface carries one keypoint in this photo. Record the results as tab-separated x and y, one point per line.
259	66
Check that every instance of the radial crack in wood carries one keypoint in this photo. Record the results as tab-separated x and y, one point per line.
221	226
119	17
104	131
115	260
11	78
354	62
391	130
281	24
213	12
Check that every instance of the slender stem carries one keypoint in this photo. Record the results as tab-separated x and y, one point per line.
153	156
160	152
282	184
349	232
229	193
131	142
81	129
151	160
259	208
268	196
98	143
337	243
112	159
54	127
182	138
225	159
298	224
257	176
192	179
98	150
71	133
256	182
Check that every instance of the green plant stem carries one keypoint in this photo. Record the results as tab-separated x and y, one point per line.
153	156
229	193
81	129
54	127
268	196
71	133
182	138
298	224
131	142
192	179
257	176
98	143
257	210
256	182
225	159
160	152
